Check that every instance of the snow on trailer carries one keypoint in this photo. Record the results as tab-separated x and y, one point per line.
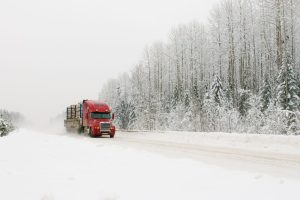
93	117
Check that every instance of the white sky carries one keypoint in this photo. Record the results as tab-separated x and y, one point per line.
55	53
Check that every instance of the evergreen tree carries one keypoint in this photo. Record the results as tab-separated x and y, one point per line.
176	96
244	102
287	94
165	105
228	98
187	100
265	95
217	92
287	91
298	84
195	97
5	127
195	92
209	114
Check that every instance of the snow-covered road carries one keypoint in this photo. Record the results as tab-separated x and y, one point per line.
274	155
142	165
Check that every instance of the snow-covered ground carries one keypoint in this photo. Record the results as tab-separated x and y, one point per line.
58	165
257	142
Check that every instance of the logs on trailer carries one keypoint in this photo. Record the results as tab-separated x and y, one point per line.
74	111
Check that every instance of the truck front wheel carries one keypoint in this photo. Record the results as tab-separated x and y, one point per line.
90	133
111	136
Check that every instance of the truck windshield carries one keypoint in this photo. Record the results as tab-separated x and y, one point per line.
98	115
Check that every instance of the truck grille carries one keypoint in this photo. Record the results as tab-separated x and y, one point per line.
104	126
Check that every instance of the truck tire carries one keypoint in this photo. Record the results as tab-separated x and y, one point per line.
111	136
81	129
90	133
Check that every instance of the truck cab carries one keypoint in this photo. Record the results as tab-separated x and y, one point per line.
97	118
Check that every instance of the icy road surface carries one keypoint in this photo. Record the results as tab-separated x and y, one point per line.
142	165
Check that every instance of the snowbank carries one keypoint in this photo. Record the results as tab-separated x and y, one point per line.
257	142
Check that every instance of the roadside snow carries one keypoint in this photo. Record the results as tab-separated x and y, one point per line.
36	165
257	142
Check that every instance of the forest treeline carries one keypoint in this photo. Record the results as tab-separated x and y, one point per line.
238	72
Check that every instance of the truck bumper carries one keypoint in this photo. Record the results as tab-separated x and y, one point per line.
98	133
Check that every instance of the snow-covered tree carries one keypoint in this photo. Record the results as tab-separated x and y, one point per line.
217	93
187	100
287	94
5	127
125	114
298	84
244	102
177	98
209	114
265	95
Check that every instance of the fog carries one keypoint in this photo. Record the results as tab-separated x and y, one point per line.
55	53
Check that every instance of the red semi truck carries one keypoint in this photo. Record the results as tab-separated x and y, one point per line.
93	117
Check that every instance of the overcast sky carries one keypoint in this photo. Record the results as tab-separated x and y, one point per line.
57	52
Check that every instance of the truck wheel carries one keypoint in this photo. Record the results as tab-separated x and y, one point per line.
90	133
81	129
111	136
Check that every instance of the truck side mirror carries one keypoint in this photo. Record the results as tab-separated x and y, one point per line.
113	116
